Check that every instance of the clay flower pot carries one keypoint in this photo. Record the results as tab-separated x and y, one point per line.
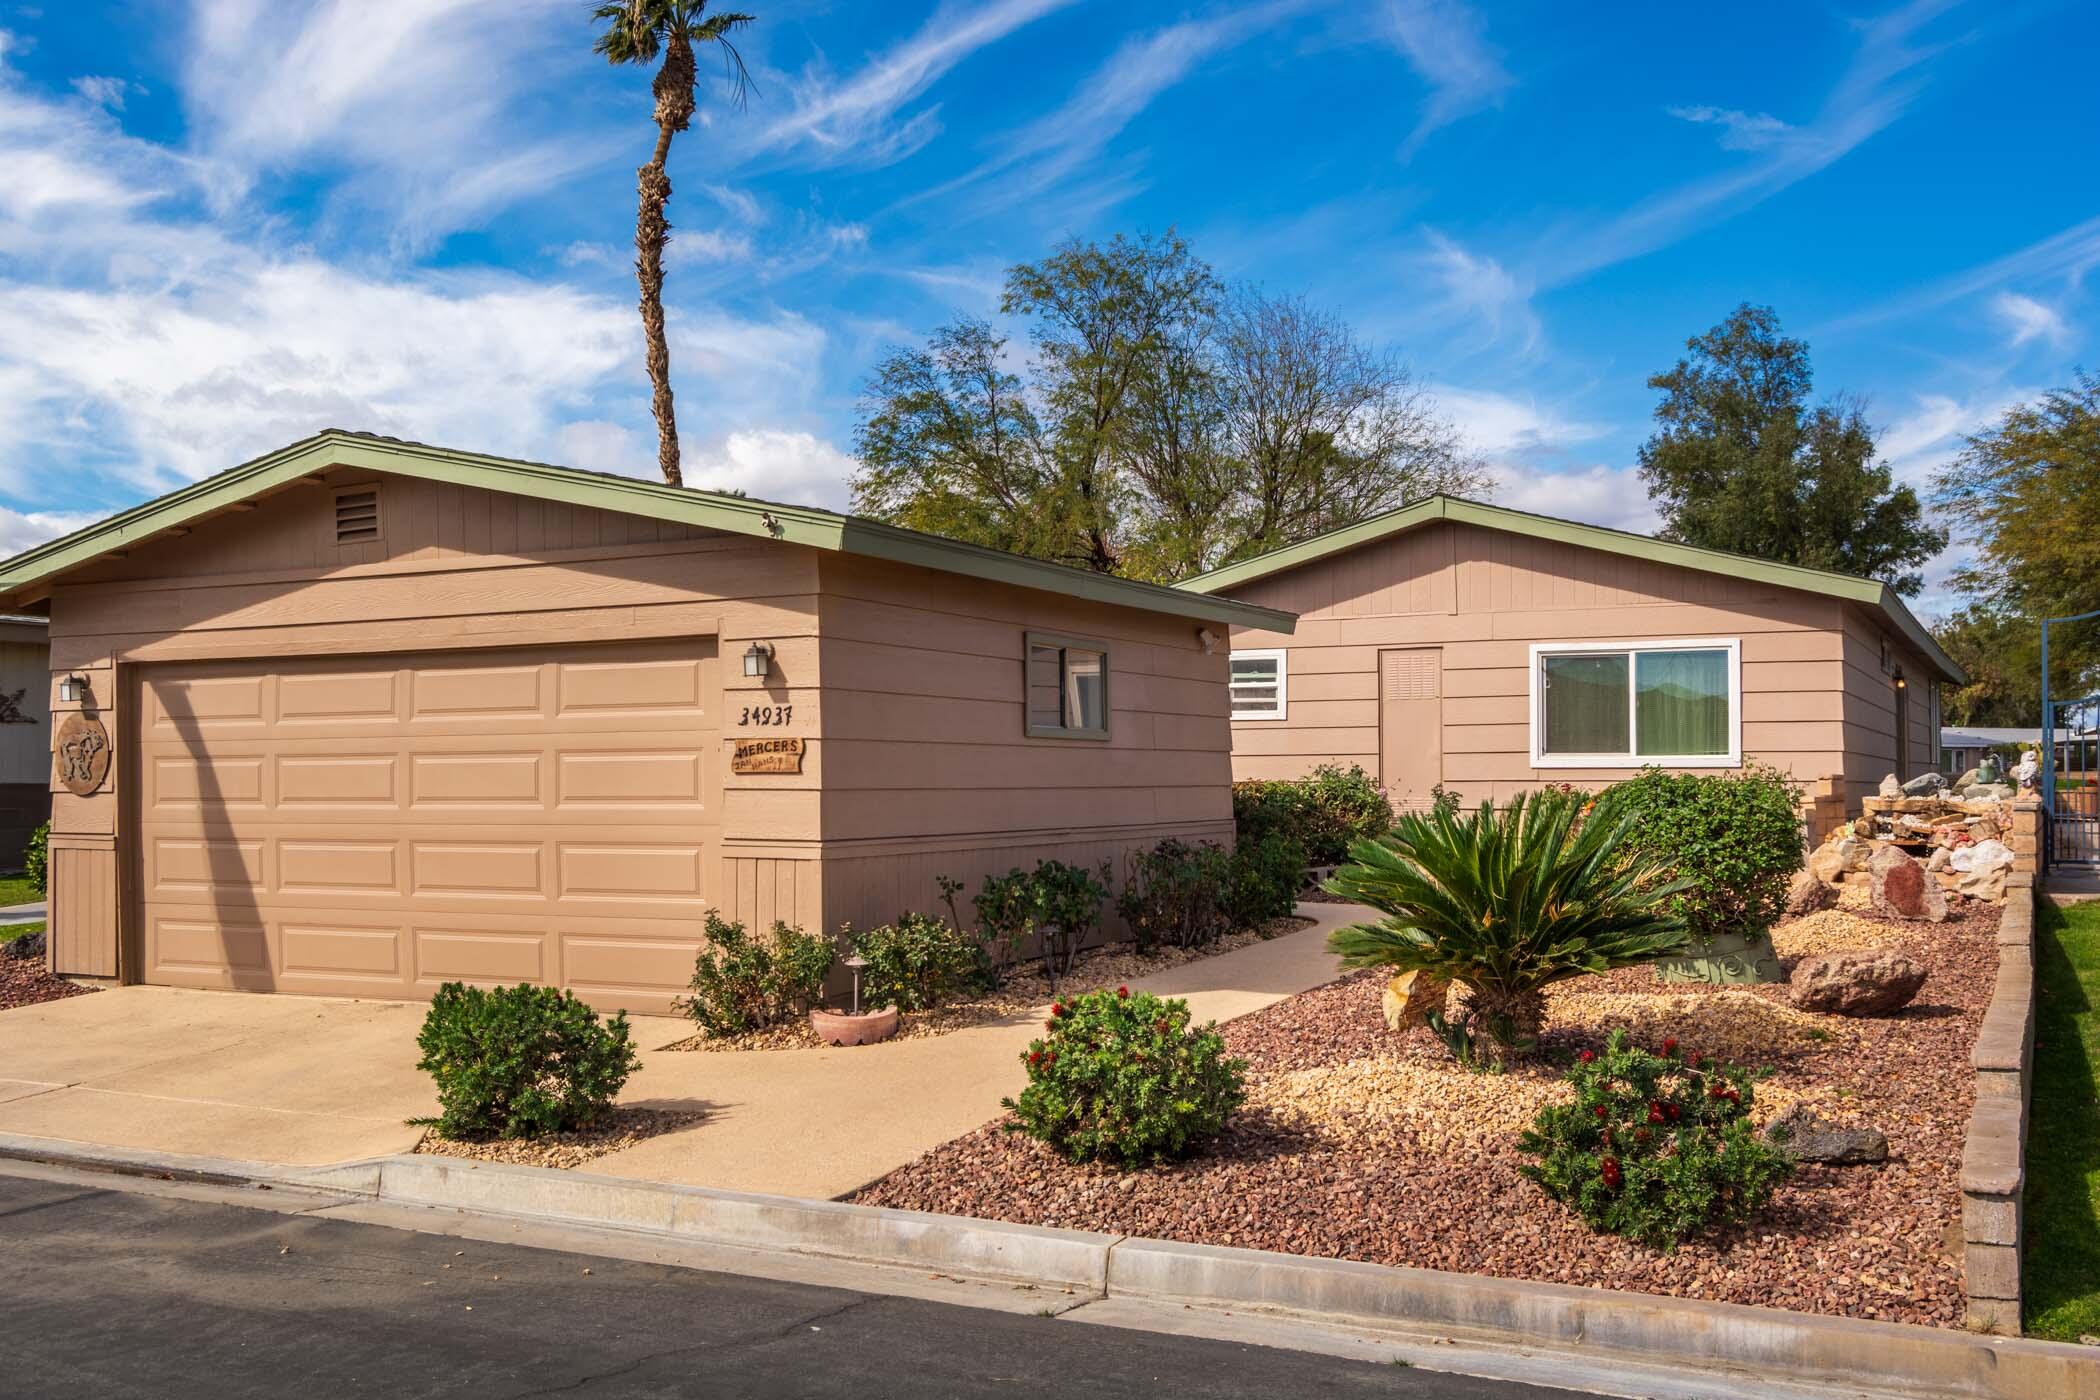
845	1028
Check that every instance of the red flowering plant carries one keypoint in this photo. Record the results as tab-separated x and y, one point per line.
1655	1147
1122	1077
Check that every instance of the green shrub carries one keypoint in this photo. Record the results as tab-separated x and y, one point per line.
519	1062
1265	879
917	963
1175	895
1507	902
36	859
741	984
1654	1147
1734	840
1123	1078
1054	907
1324	813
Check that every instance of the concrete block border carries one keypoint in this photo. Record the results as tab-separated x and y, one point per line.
1591	1324
1993	1159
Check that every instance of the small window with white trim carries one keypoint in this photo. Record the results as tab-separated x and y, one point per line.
1674	704
1259	679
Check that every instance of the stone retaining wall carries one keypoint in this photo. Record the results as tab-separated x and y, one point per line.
1993	1159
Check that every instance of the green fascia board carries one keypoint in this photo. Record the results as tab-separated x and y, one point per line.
1866	592
803	525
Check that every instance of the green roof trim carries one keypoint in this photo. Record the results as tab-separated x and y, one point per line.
1869	593
803	525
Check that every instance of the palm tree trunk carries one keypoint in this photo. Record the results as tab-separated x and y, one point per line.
651	231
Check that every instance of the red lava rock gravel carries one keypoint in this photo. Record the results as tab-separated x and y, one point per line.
24	982
1430	1179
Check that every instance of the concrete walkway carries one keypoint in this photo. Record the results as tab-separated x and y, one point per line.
313	1080
23	914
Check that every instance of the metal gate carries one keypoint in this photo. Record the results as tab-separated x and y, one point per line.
2071	780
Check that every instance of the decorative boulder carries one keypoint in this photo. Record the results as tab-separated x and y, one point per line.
1901	889
1892	786
1808	894
1838	857
1966	780
1411	996
1874	982
1925	785
1988	792
1987	885
1937	861
1812	1139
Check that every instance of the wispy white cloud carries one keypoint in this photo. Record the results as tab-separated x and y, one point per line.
1740	131
411	105
20	530
1445	43
1508	425
1052	148
2061	259
1480	290
1874	91
776	465
2027	319
103	91
1614	497
861	120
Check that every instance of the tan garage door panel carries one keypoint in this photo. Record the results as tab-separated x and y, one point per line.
375	827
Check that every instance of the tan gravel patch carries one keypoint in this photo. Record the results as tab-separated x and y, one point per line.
1385	1101
1022	994
1733	1024
618	1130
1832	931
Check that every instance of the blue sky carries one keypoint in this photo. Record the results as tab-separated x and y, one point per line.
227	223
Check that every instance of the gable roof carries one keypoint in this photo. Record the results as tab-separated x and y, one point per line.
1870	593
803	525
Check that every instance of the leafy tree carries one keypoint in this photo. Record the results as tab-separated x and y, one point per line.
636	31
2001	651
1742	461
1164	424
2026	496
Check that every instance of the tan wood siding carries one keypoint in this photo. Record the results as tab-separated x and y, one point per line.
1484	597
83	906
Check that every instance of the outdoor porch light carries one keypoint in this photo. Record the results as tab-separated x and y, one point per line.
1901	684
73	689
758	659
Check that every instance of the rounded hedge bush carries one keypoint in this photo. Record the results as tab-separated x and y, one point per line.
1124	1078
520	1062
1735	838
1655	1147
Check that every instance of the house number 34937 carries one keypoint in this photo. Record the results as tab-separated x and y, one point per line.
767	714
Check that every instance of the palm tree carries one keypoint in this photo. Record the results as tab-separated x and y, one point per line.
1507	902
635	32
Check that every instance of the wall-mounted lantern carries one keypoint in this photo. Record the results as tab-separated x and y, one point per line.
73	690
1901	684
758	660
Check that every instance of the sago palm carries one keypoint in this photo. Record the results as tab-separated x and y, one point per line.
636	31
1506	901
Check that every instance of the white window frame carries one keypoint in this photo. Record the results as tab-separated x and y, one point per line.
1062	645
1282	658
1732	759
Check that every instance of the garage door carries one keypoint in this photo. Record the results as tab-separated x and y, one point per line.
377	826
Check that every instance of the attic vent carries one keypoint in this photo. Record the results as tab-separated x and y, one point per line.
357	515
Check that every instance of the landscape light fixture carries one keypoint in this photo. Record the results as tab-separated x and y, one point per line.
758	660
856	962
73	689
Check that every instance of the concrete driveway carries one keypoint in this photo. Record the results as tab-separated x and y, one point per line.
314	1080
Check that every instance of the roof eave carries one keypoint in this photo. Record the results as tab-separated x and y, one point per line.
818	529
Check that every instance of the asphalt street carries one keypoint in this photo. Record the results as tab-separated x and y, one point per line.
114	1294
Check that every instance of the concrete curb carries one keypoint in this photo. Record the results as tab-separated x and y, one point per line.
1598	1324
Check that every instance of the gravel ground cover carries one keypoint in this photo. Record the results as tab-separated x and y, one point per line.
619	1129
24	982
1024	991
1359	1143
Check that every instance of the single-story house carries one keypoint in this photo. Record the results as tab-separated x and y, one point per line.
1487	651
363	716
25	734
1963	748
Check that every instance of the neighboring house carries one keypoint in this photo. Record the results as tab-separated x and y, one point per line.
1962	749
1488	651
385	715
25	734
